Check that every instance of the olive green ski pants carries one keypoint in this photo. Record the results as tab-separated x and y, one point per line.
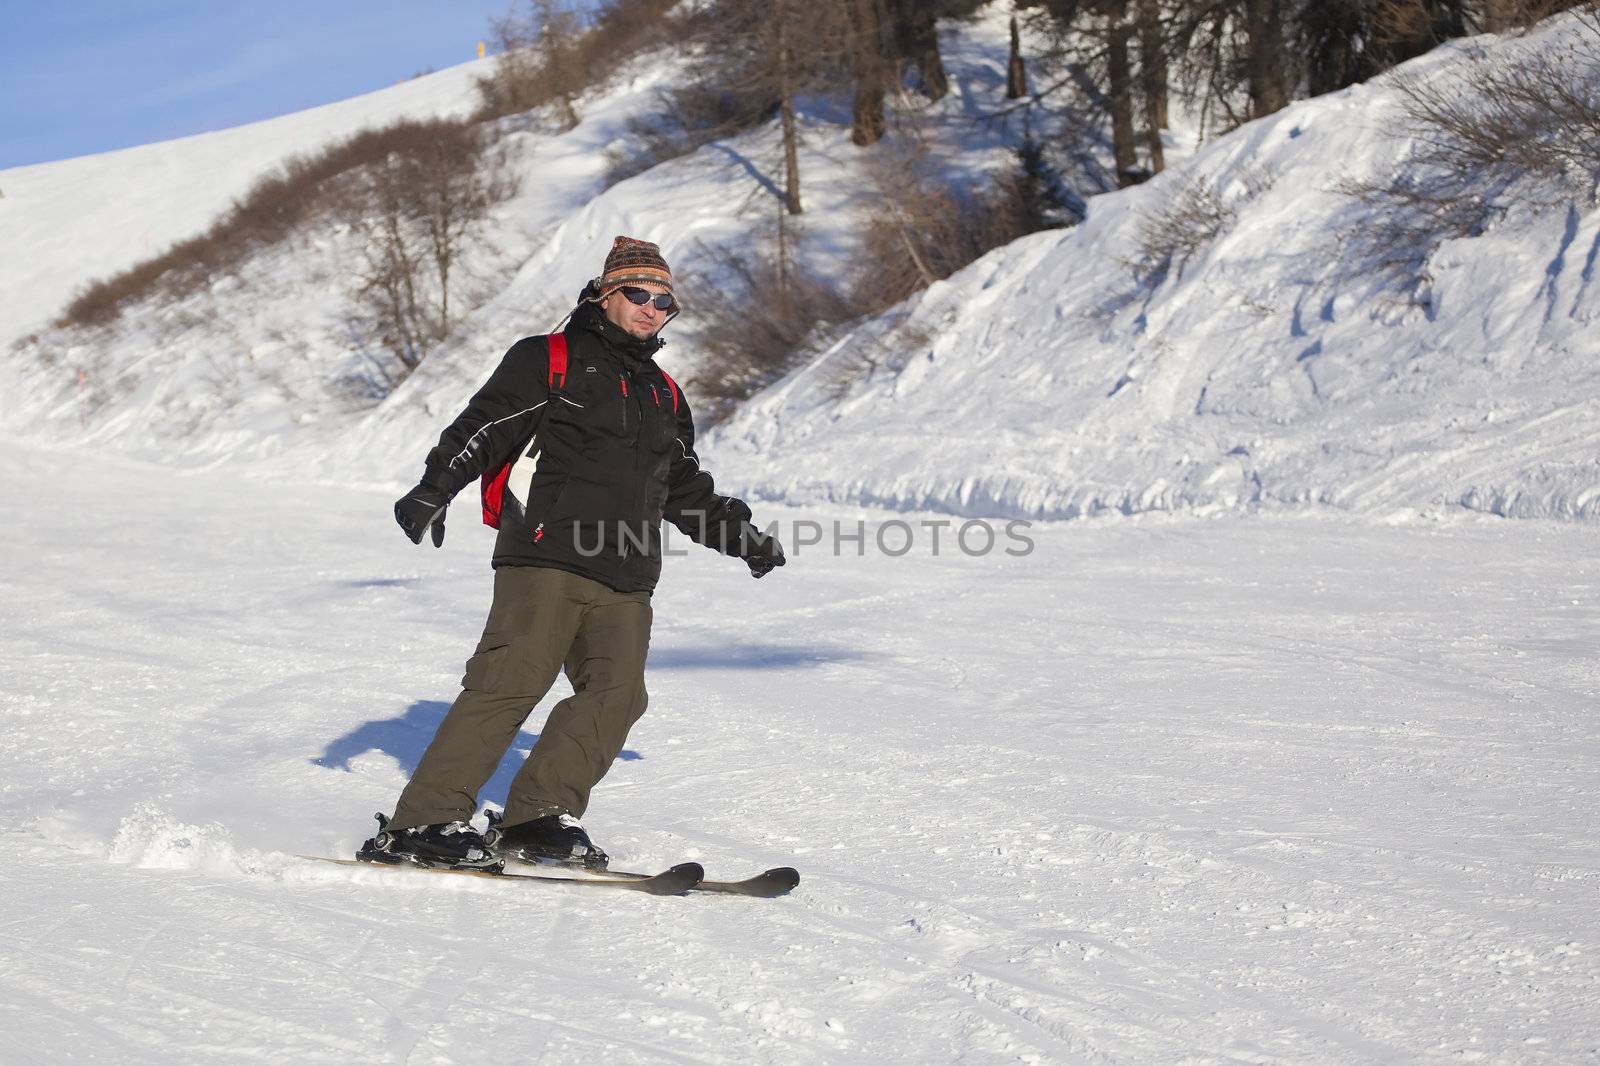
541	621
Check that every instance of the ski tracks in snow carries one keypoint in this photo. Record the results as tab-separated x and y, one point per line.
1205	791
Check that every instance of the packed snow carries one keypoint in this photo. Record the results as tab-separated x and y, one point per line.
1280	750
1271	789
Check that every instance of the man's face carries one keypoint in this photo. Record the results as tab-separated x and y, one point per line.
638	320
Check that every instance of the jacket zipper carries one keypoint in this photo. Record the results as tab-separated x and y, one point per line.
622	379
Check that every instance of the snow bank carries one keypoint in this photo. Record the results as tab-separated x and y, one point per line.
1044	381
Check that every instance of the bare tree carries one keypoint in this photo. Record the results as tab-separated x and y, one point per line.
917	41
543	59
789	79
1266	62
871	36
1016	68
922	229
415	215
751	61
1118	32
1153	80
1099	42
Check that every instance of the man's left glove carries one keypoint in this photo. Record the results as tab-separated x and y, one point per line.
765	554
421	508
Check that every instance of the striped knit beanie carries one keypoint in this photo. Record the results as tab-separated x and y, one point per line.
630	262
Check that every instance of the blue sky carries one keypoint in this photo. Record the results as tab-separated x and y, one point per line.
80	76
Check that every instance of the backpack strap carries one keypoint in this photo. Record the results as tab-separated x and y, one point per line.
494	481
673	385
557	377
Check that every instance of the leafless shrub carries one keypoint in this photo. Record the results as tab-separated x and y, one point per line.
1198	211
541	61
925	234
1189	220
686	119
1538	118
416	213
274	207
628	27
745	63
761	315
549	56
1422	20
922	230
1512	133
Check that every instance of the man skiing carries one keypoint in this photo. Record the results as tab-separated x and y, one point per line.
585	445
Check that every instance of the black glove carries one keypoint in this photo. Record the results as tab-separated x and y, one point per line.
764	554
421	508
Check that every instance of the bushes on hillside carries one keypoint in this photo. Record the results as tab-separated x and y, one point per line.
1513	132
1194	214
418	212
301	190
548	54
759	316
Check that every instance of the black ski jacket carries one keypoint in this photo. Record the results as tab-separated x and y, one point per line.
613	455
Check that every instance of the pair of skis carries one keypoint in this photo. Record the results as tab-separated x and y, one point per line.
677	881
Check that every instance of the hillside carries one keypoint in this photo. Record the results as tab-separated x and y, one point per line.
1292	759
1269	369
262	363
66	223
1047	381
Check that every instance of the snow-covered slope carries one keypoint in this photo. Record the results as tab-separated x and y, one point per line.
1044	381
65	224
1302	787
1165	790
254	367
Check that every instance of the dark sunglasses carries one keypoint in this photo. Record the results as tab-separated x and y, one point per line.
663	301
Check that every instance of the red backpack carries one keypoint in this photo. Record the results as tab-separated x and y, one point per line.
494	481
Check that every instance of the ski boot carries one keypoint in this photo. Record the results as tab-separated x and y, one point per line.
555	838
453	845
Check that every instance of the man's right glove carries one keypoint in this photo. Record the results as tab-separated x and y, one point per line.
421	508
765	554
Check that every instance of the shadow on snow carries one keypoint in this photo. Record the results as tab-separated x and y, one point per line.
749	656
404	739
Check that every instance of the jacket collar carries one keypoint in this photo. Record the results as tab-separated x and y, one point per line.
632	351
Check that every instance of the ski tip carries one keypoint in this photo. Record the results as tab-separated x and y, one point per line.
783	875
676	881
